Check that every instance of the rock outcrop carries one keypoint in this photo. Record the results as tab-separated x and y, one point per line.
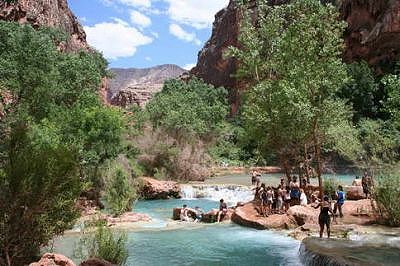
53	259
96	262
373	35
134	86
156	189
52	13
354	192
316	251
355	213
248	215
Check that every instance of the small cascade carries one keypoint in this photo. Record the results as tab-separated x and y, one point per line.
230	193
187	192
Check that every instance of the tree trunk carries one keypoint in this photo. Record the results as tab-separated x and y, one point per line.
317	146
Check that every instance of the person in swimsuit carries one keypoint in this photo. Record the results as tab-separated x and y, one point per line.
324	219
184	214
287	198
270	199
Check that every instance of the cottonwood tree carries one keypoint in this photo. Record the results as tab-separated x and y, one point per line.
291	57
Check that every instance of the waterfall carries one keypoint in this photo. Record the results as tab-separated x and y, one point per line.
230	193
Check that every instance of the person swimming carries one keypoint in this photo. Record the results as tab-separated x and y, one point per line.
324	219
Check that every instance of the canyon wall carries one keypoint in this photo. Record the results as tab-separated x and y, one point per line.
52	13
373	35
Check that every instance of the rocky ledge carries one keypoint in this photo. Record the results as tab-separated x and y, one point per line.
355	213
316	251
156	189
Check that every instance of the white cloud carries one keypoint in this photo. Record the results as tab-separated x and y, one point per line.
155	34
140	19
181	34
136	3
189	66
148	58
199	14
116	39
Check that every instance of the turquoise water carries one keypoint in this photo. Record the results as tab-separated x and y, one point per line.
167	242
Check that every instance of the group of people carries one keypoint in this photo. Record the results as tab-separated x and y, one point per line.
278	199
196	214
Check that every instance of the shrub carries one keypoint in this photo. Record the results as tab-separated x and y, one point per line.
166	157
330	186
387	197
103	244
120	195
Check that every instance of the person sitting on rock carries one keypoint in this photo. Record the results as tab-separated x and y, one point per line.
184	214
340	201
303	198
223	209
199	214
324	218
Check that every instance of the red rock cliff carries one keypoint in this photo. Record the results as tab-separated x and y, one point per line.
53	13
373	35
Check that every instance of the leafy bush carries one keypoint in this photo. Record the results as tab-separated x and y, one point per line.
387	196
103	244
119	193
330	186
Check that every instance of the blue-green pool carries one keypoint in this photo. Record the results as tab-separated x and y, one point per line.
165	242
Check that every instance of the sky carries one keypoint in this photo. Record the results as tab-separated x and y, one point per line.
145	33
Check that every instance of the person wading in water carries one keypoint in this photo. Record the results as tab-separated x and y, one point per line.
324	218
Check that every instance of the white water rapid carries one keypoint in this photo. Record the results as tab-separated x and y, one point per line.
231	194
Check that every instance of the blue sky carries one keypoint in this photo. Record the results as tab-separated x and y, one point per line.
144	33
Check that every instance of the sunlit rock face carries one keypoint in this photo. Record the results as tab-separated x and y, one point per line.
373	35
134	86
52	13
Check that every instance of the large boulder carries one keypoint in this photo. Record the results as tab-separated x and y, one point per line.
53	259
176	213
156	189
354	192
359	212
303	214
248	215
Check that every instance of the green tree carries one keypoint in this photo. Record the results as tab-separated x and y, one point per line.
362	91
53	130
293	56
187	108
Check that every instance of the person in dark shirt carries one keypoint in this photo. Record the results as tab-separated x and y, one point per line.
223	209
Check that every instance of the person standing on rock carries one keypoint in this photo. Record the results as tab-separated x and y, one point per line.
340	201
324	219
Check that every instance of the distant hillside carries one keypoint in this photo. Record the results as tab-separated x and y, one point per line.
137	86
